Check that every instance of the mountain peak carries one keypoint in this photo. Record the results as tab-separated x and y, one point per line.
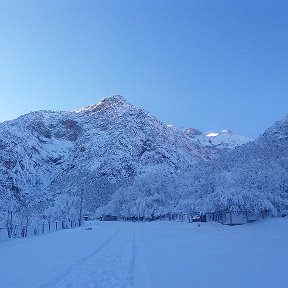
227	131
192	132
285	119
223	132
111	101
115	98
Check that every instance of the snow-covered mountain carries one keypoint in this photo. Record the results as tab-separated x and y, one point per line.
224	140
49	160
47	155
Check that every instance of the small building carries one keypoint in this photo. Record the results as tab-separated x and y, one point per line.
236	217
284	211
199	218
109	218
86	217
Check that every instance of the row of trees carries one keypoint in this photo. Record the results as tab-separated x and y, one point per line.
235	183
15	215
252	185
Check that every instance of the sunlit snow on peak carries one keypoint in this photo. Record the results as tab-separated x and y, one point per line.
212	134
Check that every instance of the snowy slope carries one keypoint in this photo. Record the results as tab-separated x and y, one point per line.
150	255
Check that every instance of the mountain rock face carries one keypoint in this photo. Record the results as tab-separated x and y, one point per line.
49	157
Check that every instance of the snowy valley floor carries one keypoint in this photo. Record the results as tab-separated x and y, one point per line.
152	255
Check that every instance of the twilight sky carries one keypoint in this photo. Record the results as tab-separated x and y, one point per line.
211	65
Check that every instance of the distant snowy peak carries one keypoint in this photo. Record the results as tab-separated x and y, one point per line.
215	134
115	101
192	132
284	120
226	139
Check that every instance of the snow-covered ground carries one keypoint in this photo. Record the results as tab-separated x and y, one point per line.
152	255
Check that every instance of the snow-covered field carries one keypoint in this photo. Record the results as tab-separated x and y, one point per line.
152	255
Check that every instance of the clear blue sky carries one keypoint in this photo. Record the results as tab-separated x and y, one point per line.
205	64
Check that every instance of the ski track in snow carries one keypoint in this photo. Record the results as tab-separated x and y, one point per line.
110	265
